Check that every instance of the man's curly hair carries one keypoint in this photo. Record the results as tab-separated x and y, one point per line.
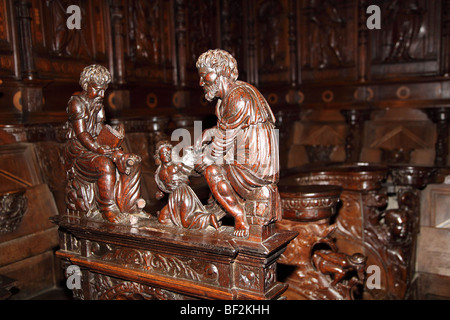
222	62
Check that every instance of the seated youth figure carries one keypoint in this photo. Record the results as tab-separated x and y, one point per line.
100	178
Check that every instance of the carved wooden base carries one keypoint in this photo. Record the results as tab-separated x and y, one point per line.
320	271
150	260
364	223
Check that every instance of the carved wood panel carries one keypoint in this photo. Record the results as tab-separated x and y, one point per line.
150	51
19	167
197	30
179	267
318	136
408	42
329	41
233	38
272	42
61	52
399	136
8	60
109	288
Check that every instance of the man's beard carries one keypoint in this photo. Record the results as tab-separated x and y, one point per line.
97	102
211	91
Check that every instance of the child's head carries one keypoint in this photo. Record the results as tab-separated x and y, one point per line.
163	152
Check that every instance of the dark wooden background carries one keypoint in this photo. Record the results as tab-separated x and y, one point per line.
312	58
341	91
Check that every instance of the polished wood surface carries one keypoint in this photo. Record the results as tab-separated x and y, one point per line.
339	90
160	262
312	264
122	252
365	223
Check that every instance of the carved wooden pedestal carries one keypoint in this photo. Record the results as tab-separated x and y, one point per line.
386	237
313	254
152	261
404	223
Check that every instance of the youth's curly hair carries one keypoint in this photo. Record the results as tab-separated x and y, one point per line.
94	74
221	61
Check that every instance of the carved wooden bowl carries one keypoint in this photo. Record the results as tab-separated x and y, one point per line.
353	176
409	175
13	205
308	203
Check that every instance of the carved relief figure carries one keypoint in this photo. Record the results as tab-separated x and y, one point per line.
339	264
102	178
66	42
328	30
404	19
232	36
184	208
271	18
146	30
202	27
240	154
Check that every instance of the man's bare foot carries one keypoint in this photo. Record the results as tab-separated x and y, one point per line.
214	221
111	213
241	228
163	216
122	217
114	216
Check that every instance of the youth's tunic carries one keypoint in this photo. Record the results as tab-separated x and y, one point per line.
77	155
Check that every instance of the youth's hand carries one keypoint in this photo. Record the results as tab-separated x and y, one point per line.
207	137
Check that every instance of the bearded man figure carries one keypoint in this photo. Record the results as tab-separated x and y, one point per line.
101	176
239	156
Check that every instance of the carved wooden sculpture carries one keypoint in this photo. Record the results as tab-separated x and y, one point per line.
319	267
102	178
175	256
240	159
396	236
184	208
386	237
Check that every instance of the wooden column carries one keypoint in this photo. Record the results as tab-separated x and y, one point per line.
440	116
23	16
355	119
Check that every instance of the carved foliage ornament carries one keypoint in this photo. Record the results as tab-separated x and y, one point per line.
109	288
180	267
13	206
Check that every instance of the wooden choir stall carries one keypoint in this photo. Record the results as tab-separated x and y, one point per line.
113	249
224	149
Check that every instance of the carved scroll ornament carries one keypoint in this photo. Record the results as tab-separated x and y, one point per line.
13	206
